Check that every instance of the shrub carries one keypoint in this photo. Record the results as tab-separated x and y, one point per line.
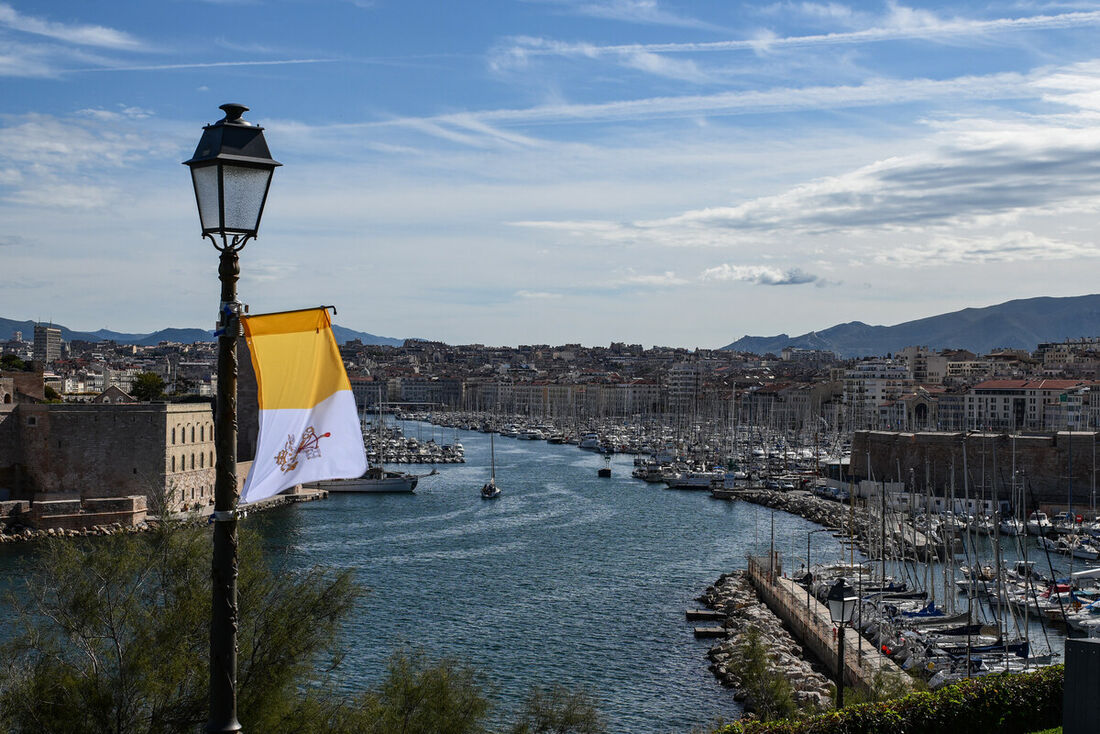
1005	703
768	692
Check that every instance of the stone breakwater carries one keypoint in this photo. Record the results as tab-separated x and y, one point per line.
735	597
830	513
22	534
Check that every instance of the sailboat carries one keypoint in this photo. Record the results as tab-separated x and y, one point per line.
490	490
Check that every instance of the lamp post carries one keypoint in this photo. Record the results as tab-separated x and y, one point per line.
231	172
842	603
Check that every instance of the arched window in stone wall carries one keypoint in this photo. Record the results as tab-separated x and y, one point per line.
211	458
173	435
202	460
202	432
183	434
173	463
7	398
192	461
192	434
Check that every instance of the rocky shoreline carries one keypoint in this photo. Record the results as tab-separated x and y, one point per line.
733	595
23	534
828	513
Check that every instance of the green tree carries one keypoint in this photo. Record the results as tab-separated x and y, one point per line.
769	693
421	696
148	386
112	637
13	363
51	394
558	711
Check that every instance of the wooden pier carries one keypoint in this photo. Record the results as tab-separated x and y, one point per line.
809	622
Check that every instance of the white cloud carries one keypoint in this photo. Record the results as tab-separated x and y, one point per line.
537	295
947	249
759	274
646	12
658	65
84	35
873	92
657	280
98	113
900	23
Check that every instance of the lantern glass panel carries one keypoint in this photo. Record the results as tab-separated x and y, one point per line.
245	188
206	191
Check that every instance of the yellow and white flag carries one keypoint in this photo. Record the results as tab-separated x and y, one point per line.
309	427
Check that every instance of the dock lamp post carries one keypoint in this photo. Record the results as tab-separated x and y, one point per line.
842	604
231	171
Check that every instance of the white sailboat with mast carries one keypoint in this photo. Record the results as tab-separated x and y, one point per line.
490	490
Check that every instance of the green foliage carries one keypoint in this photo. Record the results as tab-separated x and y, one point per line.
769	693
884	686
419	696
113	637
13	363
1004	703
558	711
51	395
147	386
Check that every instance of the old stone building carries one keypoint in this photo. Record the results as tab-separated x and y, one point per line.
85	451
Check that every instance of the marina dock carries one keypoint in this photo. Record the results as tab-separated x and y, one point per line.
809	622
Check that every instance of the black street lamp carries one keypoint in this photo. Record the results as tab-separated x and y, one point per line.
842	604
231	171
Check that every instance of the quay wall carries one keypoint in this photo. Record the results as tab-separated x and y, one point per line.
1051	465
810	624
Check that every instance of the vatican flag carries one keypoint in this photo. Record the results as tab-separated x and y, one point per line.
309	427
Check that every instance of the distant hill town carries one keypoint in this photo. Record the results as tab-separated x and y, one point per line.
9	327
1021	324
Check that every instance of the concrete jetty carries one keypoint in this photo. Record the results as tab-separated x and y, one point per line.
707	615
809	622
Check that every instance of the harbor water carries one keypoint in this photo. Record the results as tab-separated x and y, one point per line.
567	578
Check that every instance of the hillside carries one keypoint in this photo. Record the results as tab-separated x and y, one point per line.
184	336
1018	324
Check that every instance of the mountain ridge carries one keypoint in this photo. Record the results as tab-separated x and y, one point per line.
1021	323
181	335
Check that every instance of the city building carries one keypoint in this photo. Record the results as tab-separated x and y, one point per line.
47	344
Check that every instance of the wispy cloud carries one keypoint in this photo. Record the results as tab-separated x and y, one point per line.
982	250
759	274
207	65
902	23
781	99
646	12
84	35
98	113
658	65
655	280
537	295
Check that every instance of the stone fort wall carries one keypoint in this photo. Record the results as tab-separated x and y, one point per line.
82	451
1049	466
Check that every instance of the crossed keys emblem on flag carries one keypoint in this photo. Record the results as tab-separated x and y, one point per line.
287	459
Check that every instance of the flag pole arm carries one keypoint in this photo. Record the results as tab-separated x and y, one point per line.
293	310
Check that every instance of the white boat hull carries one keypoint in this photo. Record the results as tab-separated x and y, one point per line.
388	484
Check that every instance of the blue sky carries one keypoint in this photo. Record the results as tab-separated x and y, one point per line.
551	171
